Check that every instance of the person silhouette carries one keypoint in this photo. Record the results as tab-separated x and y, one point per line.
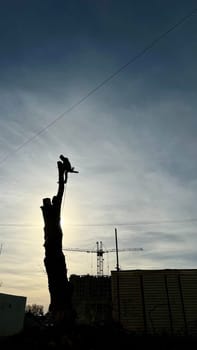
67	167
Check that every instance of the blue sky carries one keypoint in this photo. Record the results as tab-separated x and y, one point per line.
133	140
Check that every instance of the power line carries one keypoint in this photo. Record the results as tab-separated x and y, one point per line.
100	85
136	223
17	225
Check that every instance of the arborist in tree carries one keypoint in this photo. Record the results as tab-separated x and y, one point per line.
60	290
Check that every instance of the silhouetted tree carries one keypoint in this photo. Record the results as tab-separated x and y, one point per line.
60	289
35	309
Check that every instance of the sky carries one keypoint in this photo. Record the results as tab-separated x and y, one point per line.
132	137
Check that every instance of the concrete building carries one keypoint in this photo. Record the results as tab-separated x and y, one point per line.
156	302
92	298
12	312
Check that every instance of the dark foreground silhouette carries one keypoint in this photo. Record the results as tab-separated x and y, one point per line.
92	338
61	310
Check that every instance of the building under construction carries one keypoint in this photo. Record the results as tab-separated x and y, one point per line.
152	302
92	298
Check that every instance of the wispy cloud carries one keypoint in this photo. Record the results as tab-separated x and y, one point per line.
133	142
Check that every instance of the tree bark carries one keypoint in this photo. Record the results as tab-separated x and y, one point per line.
60	307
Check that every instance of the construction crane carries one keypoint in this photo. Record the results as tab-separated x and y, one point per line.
99	252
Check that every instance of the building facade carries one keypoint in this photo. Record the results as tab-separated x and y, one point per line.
156	302
92	298
12	313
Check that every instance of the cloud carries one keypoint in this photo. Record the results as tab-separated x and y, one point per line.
133	141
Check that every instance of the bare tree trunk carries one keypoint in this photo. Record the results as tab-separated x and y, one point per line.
60	307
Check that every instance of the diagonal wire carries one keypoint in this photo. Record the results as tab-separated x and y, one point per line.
105	81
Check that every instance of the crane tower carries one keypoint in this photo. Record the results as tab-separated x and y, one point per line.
99	252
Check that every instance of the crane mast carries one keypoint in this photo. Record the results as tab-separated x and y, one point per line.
100	259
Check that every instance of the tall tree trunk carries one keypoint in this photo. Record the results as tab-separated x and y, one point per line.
60	308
